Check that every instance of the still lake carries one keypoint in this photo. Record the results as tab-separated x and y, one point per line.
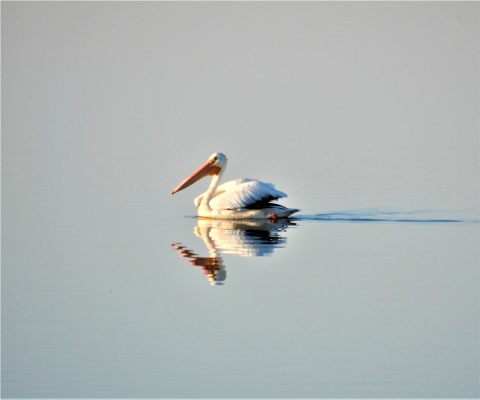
364	113
114	300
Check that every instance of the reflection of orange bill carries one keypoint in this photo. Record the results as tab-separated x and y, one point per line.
211	266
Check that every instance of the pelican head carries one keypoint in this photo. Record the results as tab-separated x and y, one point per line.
211	167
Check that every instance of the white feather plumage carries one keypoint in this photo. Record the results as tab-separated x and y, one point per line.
239	199
240	193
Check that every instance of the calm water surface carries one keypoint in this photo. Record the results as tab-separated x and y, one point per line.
117	301
365	113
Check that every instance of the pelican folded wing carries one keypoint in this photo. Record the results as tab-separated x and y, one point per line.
224	187
246	195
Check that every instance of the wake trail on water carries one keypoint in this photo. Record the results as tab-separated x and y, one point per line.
424	216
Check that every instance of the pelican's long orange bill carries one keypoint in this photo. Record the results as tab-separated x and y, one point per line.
206	169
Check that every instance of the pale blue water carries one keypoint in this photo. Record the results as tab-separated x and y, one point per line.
101	301
365	113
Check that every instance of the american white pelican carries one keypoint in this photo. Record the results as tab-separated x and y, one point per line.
237	199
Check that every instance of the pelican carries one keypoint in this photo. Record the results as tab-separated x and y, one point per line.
237	199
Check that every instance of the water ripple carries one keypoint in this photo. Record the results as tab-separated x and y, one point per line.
423	216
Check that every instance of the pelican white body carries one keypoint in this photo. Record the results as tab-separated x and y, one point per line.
236	199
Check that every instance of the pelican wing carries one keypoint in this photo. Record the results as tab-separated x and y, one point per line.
249	194
223	188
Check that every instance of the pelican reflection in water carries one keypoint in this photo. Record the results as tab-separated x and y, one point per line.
246	238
